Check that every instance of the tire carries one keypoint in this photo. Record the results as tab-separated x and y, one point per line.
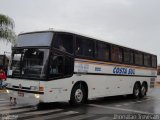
40	106
136	90
143	91
78	95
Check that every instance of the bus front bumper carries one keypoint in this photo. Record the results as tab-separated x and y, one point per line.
28	96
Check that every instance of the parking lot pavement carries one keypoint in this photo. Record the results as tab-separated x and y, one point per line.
97	109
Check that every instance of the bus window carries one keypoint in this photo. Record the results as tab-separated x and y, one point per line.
103	51
68	68
154	61
120	56
131	57
116	54
56	66
147	60
138	58
64	42
60	66
84	47
126	56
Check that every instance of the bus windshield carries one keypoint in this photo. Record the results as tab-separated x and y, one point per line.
34	39
29	63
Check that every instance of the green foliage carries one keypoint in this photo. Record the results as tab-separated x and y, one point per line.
6	29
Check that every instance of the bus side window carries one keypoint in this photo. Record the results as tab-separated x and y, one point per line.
126	54
103	51
68	67
147	60
138	58
154	61
61	66
56	66
64	42
84	47
131	57
116	54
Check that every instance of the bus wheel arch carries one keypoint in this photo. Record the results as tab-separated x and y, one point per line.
79	87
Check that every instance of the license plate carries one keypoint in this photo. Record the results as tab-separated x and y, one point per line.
21	94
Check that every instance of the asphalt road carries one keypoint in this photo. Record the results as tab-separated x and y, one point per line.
119	107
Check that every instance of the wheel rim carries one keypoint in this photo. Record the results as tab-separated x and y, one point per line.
78	95
136	92
143	90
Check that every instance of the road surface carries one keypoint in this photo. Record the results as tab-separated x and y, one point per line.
99	109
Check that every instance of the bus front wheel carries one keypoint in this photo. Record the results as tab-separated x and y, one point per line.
78	95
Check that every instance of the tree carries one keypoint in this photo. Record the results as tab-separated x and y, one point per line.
6	29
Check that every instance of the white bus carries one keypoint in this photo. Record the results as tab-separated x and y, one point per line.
57	66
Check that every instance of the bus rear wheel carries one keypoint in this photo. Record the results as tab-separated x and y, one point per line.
136	90
143	90
78	95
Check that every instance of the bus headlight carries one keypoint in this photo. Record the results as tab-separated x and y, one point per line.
37	96
7	91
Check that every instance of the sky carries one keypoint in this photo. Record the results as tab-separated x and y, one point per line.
131	23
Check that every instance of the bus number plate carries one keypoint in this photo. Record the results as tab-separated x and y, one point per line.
21	94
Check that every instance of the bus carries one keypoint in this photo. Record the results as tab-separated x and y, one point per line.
56	66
